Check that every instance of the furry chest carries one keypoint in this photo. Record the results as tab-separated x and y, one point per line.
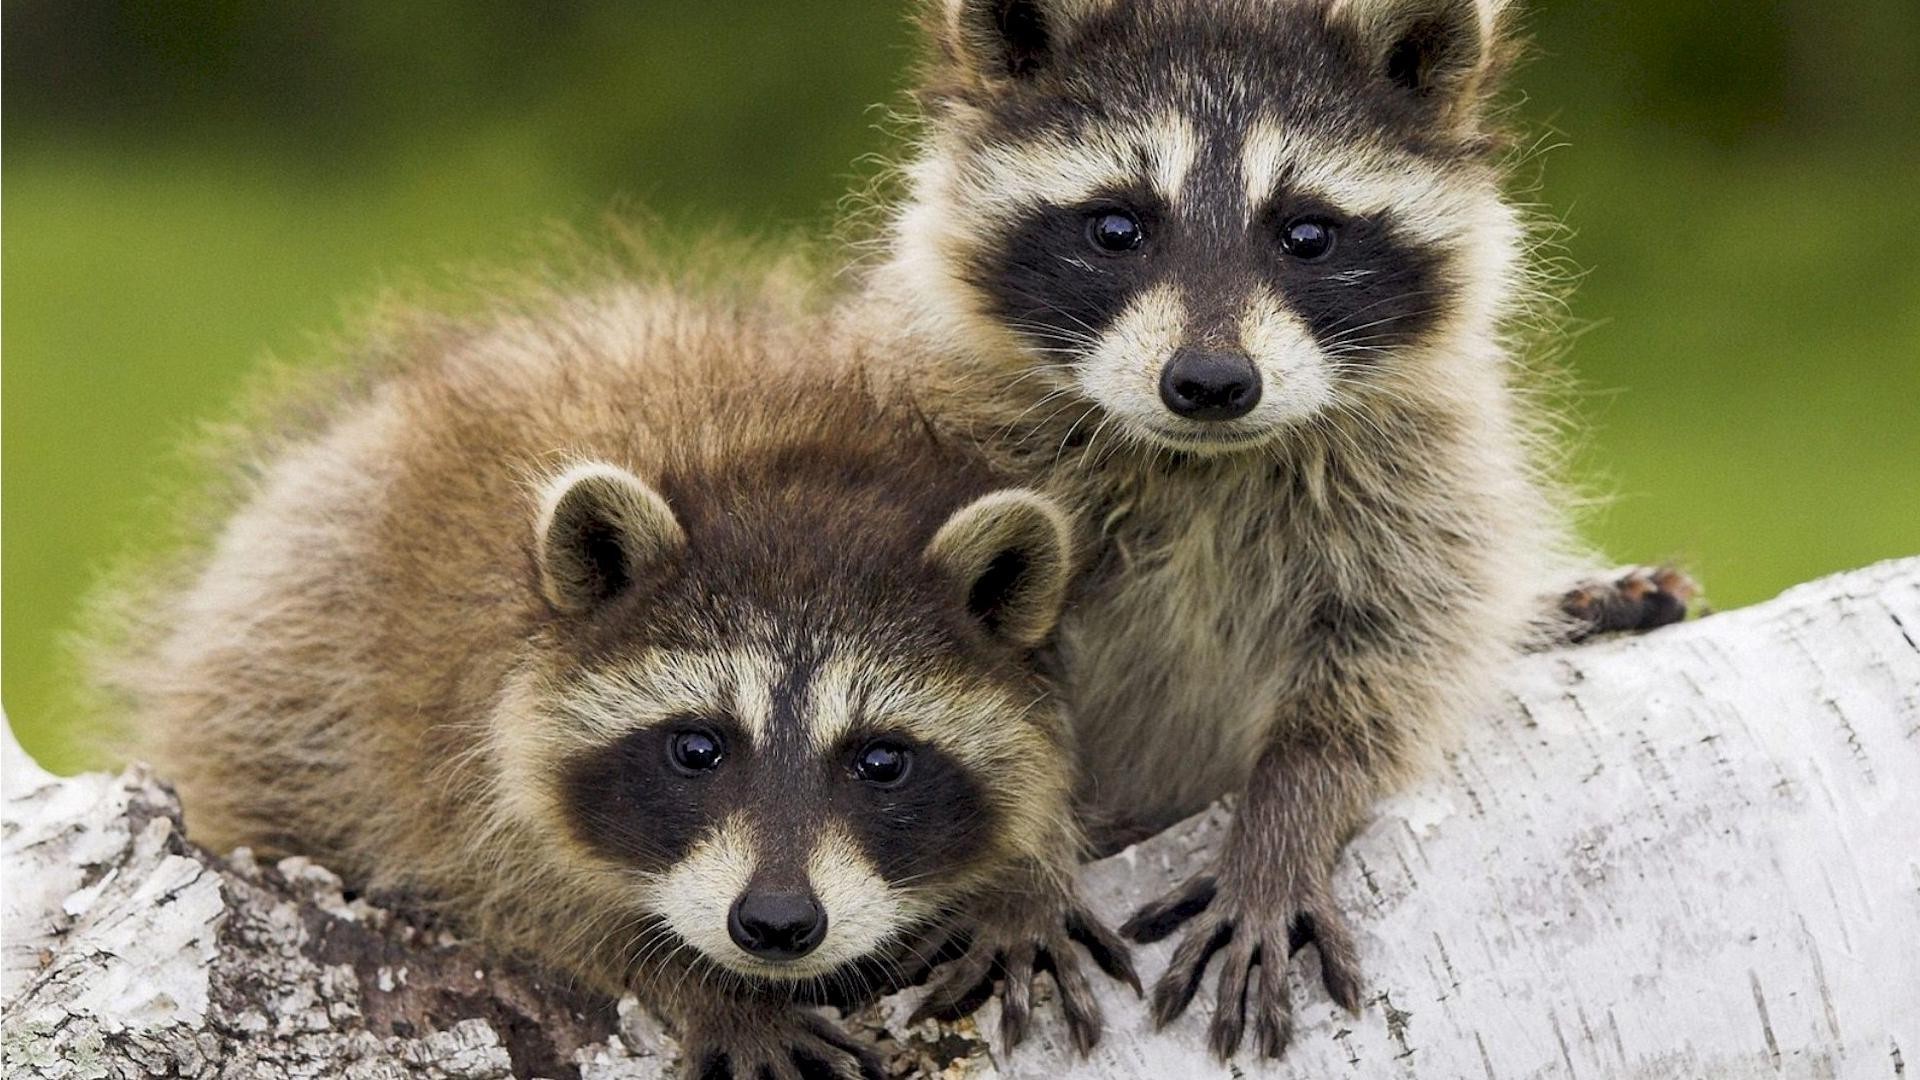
1174	661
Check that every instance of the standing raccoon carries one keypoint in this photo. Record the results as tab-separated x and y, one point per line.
1232	278
640	657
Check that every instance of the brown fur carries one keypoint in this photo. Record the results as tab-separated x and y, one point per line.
364	668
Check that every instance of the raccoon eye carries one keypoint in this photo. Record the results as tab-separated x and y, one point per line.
883	763
1307	239
1115	232
696	751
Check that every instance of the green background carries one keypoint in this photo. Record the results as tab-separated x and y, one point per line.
192	186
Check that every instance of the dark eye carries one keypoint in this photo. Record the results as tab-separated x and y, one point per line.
1115	232
696	751
1307	239
883	764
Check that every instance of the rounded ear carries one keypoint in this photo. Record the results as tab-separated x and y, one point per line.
1011	553
600	529
1437	50
1001	39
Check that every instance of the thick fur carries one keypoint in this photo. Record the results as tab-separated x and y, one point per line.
1299	606
406	654
1406	512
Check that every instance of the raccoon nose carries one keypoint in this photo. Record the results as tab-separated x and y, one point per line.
777	925
1209	384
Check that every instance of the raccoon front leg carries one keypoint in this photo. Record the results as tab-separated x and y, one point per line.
725	1037
1267	893
1016	937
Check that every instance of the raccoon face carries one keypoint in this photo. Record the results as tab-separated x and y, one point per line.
787	795
1211	220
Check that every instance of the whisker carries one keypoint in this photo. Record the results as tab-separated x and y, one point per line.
1070	430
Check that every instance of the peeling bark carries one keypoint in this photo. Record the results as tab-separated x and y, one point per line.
1692	854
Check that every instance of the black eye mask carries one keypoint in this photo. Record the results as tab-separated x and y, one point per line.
641	801
1365	288
936	816
1052	280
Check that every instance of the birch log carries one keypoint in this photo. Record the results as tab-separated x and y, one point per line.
1692	854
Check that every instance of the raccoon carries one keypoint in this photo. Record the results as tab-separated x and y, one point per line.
1234	279
600	629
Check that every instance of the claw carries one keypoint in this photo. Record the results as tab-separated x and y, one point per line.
1230	1014
1108	950
924	957
1012	948
1238	917
1272	1007
790	1045
1339	963
1182	979
1322	926
1016	997
1077	1000
1164	916
965	987
865	1060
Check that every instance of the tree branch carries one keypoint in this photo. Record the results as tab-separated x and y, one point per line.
1694	853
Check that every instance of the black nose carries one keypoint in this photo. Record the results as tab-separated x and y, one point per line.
777	925
1207	384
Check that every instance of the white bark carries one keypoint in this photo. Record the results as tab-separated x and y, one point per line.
1693	854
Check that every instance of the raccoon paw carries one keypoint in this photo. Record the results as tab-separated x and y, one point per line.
1636	599
789	1045
1253	935
1015	948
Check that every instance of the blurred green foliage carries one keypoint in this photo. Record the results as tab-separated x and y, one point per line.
190	186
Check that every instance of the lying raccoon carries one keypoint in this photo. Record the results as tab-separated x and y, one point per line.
640	659
1233	278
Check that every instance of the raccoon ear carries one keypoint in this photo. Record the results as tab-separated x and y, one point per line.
1012	553
600	528
1001	39
1437	50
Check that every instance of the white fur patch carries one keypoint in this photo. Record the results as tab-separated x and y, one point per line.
863	911
1428	203
975	724
1123	372
1266	155
753	677
666	684
1172	144
1053	172
830	702
1011	178
1296	379
695	896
